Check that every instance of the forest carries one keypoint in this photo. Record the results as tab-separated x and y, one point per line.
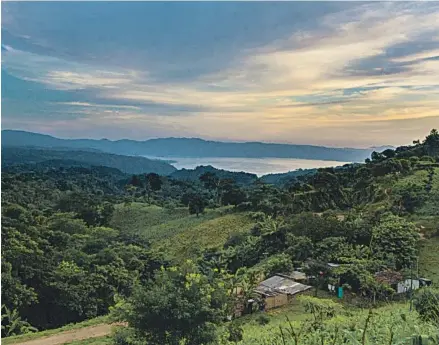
166	253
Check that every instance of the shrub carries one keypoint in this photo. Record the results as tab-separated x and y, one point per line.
427	304
263	320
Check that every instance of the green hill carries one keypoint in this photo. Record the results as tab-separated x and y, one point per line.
241	178
178	233
126	164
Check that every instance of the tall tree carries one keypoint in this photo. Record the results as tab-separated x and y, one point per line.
182	305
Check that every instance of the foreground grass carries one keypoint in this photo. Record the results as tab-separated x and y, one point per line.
108	340
390	324
31	336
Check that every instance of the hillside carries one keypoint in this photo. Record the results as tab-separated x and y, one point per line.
283	178
241	178
178	233
81	242
126	164
188	147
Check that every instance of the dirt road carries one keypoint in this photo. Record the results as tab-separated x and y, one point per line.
69	336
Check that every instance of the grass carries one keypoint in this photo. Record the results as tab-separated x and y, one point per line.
140	218
176	231
429	260
209	233
107	340
256	334
427	215
36	335
156	223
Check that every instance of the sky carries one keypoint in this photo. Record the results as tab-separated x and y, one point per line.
353	74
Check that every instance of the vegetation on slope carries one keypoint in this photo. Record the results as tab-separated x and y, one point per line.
78	242
127	164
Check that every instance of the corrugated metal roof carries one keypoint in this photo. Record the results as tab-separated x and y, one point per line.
277	284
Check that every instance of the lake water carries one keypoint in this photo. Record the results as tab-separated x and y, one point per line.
258	166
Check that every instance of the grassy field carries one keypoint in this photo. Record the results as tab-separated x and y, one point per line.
209	233
141	218
157	223
31	336
176	231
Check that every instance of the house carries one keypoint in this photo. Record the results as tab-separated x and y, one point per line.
411	284
279	290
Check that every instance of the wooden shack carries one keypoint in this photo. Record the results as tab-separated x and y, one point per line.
278	291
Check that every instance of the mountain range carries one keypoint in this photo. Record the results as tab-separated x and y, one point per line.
187	147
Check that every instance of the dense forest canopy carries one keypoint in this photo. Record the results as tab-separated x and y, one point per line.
66	256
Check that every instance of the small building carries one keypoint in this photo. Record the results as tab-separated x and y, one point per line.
411	284
279	290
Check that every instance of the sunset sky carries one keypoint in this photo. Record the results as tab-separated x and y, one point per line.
328	73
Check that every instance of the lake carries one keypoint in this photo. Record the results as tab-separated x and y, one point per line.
258	166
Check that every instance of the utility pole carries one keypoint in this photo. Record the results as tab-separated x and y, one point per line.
411	286
411	281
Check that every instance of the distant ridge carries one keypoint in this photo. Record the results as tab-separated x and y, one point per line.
188	147
20	155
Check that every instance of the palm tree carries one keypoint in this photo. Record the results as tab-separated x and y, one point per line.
270	225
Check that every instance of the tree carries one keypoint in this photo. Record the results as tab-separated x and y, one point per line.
321	273
396	239
235	332
154	181
12	324
431	143
389	153
376	156
427	304
324	180
181	305
210	180
231	194
196	204
279	263
300	248
135	181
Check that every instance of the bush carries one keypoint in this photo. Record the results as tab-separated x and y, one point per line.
235	332
427	304
124	336
257	216
263	320
235	239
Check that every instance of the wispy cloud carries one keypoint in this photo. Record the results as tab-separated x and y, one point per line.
363	67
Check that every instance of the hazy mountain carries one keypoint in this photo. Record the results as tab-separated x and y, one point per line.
188	147
126	164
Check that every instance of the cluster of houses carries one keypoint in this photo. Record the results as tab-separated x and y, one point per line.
280	289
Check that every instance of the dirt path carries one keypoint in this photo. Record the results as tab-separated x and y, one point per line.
69	336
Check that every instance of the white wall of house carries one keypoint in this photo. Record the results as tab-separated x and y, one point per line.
406	285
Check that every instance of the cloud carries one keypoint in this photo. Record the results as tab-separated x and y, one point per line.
353	67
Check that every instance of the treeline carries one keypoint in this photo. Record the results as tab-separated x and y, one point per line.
61	263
